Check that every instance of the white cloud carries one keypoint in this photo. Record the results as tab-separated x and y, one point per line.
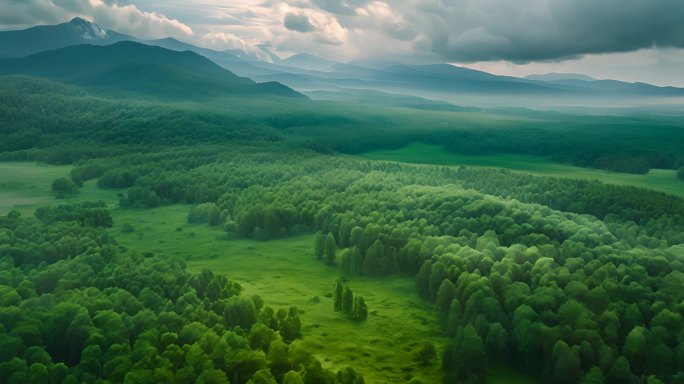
110	14
222	41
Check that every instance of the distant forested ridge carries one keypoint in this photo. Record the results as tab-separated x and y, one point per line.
633	144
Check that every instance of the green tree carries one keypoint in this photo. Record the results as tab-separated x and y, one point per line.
293	377
445	294
63	186
330	249
468	357
594	376
360	311
620	372
375	263
636	347
212	376
319	244
290	326
497	342
338	295
347	300
263	376
566	364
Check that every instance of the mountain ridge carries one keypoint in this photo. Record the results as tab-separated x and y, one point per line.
130	67
25	42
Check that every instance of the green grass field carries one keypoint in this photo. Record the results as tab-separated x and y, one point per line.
419	153
25	186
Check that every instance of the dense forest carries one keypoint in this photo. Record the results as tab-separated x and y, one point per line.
572	281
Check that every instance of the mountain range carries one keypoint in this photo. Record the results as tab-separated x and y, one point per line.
126	63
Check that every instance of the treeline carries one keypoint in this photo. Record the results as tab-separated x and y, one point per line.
609	143
77	308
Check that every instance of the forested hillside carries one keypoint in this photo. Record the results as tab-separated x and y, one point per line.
633	143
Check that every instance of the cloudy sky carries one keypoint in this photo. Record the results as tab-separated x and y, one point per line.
633	40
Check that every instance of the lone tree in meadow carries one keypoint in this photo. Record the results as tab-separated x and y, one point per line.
339	291
360	311
63	186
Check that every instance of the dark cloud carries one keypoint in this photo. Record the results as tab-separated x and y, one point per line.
519	31
533	30
299	23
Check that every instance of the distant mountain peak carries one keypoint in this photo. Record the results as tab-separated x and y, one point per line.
87	29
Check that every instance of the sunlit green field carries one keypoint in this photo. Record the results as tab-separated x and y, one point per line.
419	153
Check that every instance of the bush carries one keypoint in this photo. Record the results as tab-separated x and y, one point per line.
63	186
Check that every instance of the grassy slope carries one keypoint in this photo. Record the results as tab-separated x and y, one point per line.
419	153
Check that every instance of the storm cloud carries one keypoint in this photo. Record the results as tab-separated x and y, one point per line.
532	30
299	23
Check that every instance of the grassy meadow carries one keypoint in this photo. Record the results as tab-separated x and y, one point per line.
24	185
420	153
